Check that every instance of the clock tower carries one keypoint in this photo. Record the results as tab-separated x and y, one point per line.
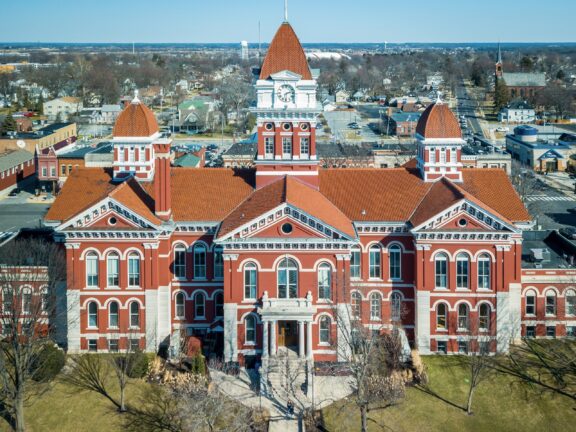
286	113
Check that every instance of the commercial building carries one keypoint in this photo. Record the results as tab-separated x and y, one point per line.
57	135
15	166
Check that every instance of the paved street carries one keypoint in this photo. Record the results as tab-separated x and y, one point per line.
467	106
338	121
14	216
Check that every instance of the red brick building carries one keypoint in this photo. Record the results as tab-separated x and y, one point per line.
15	166
253	259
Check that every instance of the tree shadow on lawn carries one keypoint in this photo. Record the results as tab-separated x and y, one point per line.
427	389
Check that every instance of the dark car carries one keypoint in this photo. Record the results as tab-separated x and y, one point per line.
572	210
14	192
568	233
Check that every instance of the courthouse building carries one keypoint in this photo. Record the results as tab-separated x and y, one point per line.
253	259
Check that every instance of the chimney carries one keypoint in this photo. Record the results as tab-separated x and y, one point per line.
162	184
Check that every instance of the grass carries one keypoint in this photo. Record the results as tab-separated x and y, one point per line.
498	406
65	409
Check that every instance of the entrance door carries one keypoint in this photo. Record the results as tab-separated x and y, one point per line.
287	333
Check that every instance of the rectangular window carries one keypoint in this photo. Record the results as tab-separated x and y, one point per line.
134	271
53	171
530	331
62	170
92	345
551	305
44	172
304	147
286	147
484	273
121	154
531	305
199	263
441	273
551	331
571	331
134	345
442	347
375	263
131	154
180	263
113	345
92	271
395	255
463	347
462	273
355	263
113	270
269	147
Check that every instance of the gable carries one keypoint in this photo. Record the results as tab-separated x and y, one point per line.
465	216
111	219
277	230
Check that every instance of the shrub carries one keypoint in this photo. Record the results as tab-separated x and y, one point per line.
140	362
198	366
49	363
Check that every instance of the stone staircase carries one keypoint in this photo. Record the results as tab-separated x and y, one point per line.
287	377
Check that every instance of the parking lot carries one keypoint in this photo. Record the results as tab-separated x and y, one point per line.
339	121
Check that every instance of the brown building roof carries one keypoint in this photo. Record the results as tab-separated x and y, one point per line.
291	191
437	121
285	53
136	120
214	195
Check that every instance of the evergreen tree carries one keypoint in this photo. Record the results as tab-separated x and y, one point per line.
501	95
8	125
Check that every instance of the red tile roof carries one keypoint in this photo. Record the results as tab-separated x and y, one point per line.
285	53
136	120
437	121
291	191
214	195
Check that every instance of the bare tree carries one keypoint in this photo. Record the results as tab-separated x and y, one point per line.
31	270
547	366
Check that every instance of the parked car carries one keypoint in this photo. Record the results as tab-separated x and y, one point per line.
353	125
569	233
572	210
14	192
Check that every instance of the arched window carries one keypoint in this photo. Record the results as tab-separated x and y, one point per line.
134	315
92	270
375	262
219	305
325	324
113	269
199	261
463	316
218	262
92	314
396	306
571	302
324	282
395	257
113	315
484	271
442	316
250	281
484	317
355	262
530	303
375	307
441	265
180	299
26	300
180	262
250	325
287	279
45	299
356	305
199	305
134	269
550	303
462	270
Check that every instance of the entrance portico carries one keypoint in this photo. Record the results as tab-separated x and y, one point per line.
288	323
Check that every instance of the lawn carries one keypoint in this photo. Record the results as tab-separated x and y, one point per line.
498	406
65	409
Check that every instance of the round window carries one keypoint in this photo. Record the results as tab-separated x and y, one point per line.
287	228
269	126
462	222
286	126
304	126
112	221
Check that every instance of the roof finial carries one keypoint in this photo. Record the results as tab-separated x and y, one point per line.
438	97
285	10
136	100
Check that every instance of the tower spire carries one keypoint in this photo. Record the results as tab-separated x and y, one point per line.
499	53
285	10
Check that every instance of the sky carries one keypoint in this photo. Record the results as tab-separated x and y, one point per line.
315	21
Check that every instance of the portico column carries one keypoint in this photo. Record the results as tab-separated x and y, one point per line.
273	338
301	339
265	339
309	340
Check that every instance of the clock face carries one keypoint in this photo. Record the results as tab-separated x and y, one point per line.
286	93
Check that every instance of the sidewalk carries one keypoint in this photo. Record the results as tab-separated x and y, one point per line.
561	182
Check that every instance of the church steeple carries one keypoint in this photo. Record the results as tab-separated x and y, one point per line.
499	69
